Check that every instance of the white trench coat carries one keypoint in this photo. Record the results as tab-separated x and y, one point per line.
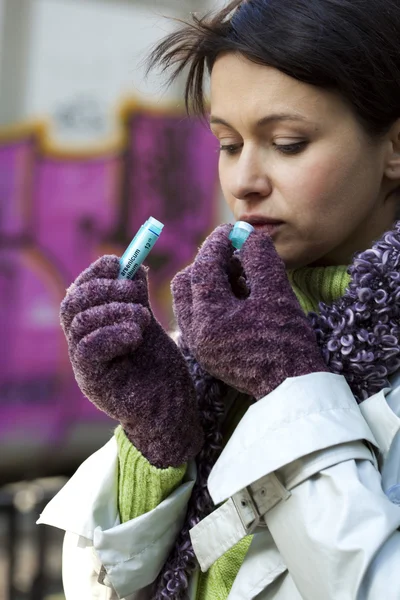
313	475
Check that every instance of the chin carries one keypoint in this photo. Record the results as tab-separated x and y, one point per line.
293	258
296	256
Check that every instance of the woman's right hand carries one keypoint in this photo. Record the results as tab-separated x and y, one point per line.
127	365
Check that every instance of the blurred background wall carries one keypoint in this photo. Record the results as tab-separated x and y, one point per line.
79	56
89	150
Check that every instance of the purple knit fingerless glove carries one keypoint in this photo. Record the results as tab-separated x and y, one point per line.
127	365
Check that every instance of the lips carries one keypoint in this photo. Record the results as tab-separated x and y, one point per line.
264	224
269	228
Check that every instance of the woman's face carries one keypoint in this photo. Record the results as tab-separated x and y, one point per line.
295	163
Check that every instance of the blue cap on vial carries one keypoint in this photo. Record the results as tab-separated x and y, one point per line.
240	233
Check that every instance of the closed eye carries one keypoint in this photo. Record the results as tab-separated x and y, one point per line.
294	148
231	149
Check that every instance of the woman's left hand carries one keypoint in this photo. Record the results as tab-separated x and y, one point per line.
252	341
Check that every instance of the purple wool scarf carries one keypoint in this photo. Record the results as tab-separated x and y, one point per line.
359	337
359	333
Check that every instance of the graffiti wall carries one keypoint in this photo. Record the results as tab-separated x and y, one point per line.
59	211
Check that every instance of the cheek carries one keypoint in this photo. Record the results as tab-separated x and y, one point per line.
323	187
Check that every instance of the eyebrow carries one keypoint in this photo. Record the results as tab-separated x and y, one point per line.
261	122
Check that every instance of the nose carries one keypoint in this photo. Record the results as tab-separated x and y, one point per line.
250	180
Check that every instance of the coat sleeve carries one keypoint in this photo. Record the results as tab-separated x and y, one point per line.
105	553
122	561
336	531
81	570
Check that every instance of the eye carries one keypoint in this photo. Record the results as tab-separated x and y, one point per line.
231	149
294	148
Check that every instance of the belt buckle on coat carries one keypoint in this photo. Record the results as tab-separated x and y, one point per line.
247	511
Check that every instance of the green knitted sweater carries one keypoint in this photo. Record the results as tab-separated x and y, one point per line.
142	487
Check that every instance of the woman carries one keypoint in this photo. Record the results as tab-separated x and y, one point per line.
305	101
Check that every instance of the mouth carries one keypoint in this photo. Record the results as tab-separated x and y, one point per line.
264	224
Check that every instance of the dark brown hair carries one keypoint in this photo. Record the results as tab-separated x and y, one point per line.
351	46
